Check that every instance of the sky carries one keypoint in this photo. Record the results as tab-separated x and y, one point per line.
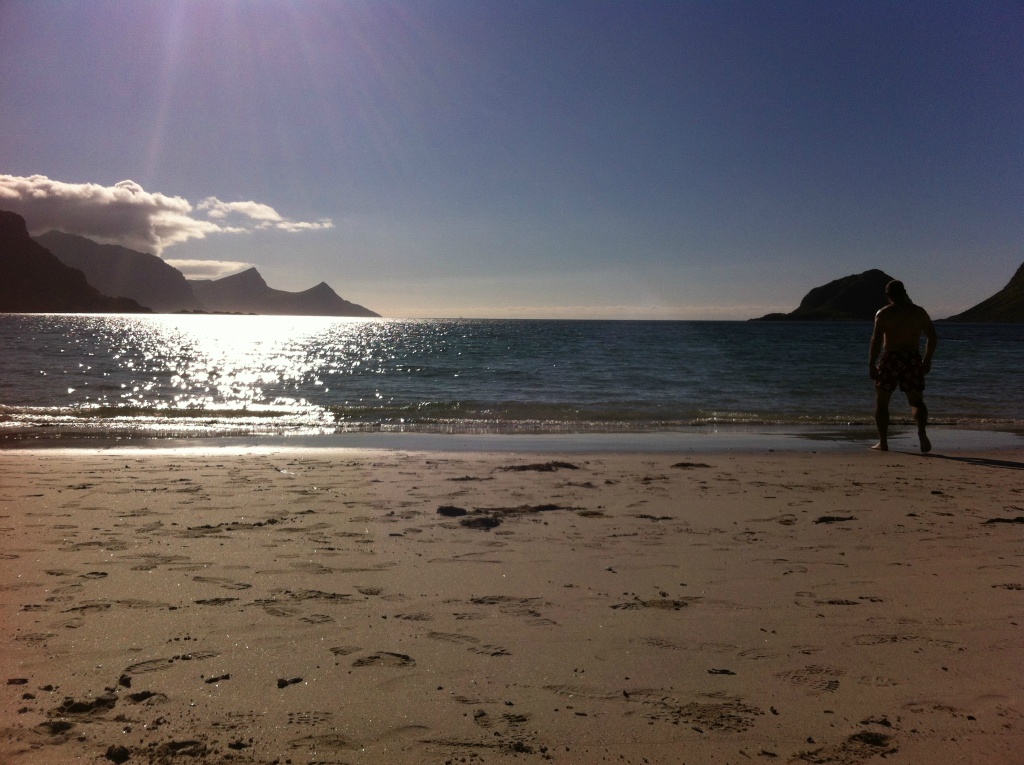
529	158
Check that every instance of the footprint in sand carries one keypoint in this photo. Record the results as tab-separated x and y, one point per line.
309	718
385	659
877	681
317	619
227	584
656	642
89	608
275	607
731	715
35	637
323	743
471	643
155	665
417	616
662	604
868	640
814	679
215	601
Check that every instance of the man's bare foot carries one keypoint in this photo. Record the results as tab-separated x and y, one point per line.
926	445
882	446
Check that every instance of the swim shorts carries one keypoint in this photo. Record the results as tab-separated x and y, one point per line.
902	368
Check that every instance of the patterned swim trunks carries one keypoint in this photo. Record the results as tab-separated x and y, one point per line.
902	368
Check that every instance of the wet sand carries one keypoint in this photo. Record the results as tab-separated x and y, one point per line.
385	606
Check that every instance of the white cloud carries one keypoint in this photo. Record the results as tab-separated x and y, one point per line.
291	226
208	269
128	215
264	216
254	210
124	213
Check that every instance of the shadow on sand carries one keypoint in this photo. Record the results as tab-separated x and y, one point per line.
985	461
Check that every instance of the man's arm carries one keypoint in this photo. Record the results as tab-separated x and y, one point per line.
875	348
931	341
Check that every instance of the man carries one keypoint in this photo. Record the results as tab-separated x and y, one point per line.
897	335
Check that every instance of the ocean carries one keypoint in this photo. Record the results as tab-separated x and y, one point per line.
203	375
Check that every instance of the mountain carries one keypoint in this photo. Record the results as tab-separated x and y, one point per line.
152	282
247	292
1005	305
117	270
852	298
33	280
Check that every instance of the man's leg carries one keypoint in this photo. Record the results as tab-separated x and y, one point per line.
920	414
882	418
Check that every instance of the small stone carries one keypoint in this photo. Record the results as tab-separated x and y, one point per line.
450	511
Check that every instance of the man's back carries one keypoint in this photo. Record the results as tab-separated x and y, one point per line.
902	325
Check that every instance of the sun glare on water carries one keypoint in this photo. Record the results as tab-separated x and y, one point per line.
225	363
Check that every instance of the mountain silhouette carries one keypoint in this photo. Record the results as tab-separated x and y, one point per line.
1005	305
117	270
34	280
247	292
852	298
152	282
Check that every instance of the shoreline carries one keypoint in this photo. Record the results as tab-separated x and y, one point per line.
709	439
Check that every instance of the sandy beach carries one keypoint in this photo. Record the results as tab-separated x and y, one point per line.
385	606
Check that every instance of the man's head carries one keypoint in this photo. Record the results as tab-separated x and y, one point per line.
897	293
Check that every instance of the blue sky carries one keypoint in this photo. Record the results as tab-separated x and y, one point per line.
692	160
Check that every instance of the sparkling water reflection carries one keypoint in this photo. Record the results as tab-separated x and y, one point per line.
217	374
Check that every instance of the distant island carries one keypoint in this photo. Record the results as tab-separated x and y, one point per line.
61	272
247	292
1007	305
852	298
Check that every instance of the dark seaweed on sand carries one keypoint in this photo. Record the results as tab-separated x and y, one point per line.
542	467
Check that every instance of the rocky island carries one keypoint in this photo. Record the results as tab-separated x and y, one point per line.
248	292
852	298
1007	305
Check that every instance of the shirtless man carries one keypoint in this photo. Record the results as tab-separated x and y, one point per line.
897	336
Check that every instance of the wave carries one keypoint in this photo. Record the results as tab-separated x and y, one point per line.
462	418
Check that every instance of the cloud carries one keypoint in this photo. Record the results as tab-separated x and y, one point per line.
208	269
254	210
293	226
128	215
124	213
264	216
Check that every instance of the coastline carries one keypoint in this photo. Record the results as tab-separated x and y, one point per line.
725	438
266	604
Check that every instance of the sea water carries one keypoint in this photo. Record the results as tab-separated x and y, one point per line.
185	375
